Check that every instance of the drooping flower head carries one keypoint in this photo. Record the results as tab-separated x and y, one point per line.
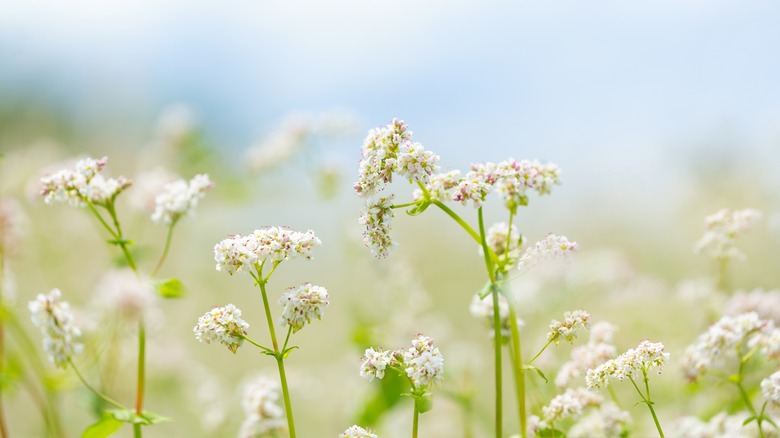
302	304
374	362
553	247
722	229
629	365
180	198
377	218
380	157
244	253
55	320
264	416
584	357
224	325
82	184
357	432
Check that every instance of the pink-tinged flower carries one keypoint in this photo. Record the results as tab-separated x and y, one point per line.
377	218
302	304
223	325
55	320
83	184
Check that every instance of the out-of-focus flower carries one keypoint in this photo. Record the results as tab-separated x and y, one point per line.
224	325
180	198
722	425
243	253
483	309
504	242
606	421
377	218
720	341
570	404
357	432
424	363
264	416
765	303
124	291
55	320
280	145
302	304
722	229
82	184
629	365
11	221
374	362
770	389
572	323
147	186
553	247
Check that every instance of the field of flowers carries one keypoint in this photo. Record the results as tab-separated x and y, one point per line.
278	295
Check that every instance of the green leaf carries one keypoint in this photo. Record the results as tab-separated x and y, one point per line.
488	289
103	428
423	403
538	371
171	288
287	352
418	208
549	432
129	416
748	420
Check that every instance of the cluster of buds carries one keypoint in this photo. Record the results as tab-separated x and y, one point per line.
423	364
629	365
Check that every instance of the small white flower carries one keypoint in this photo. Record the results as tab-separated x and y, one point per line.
244	253
302	304
374	362
380	157
424	363
224	325
441	186
377	218
476	185
483	309
570	404
180	198
770	388
629	365
55	320
607	421
264	416
415	163
357	432
572	322
553	247
504	242
82	184
597	351
722	228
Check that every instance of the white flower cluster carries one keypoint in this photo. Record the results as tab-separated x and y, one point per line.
629	365
357	432
606	421
476	185
483	309
441	186
389	150
570	404
722	228
374	362
82	184
770	389
584	357
55	320
243	253
517	177
504	241
179	198
721	340
553	247
423	363
765	303
377	218
222	324
302	304
568	328
264	416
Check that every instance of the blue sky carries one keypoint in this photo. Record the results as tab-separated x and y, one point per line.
605	88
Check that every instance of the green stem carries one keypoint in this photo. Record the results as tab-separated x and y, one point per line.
120	238
459	220
164	254
517	366
103	222
141	388
540	352
648	402
99	394
746	399
496	327
408	204
287	338
279	358
613	396
3	426
415	422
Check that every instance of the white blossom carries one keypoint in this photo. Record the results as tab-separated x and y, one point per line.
261	407
55	320
424	363
302	304
224	325
770	389
415	163
374	362
568	328
244	253
476	185
482	308
357	432
504	241
606	421
553	247
82	184
377	218
380	157
441	186
180	198
584	357
722	228
629	365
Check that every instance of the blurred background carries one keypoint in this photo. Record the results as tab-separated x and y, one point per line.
658	114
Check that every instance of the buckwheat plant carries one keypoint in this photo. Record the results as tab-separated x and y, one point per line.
390	152
631	365
357	432
259	254
422	365
719	240
730	344
84	185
